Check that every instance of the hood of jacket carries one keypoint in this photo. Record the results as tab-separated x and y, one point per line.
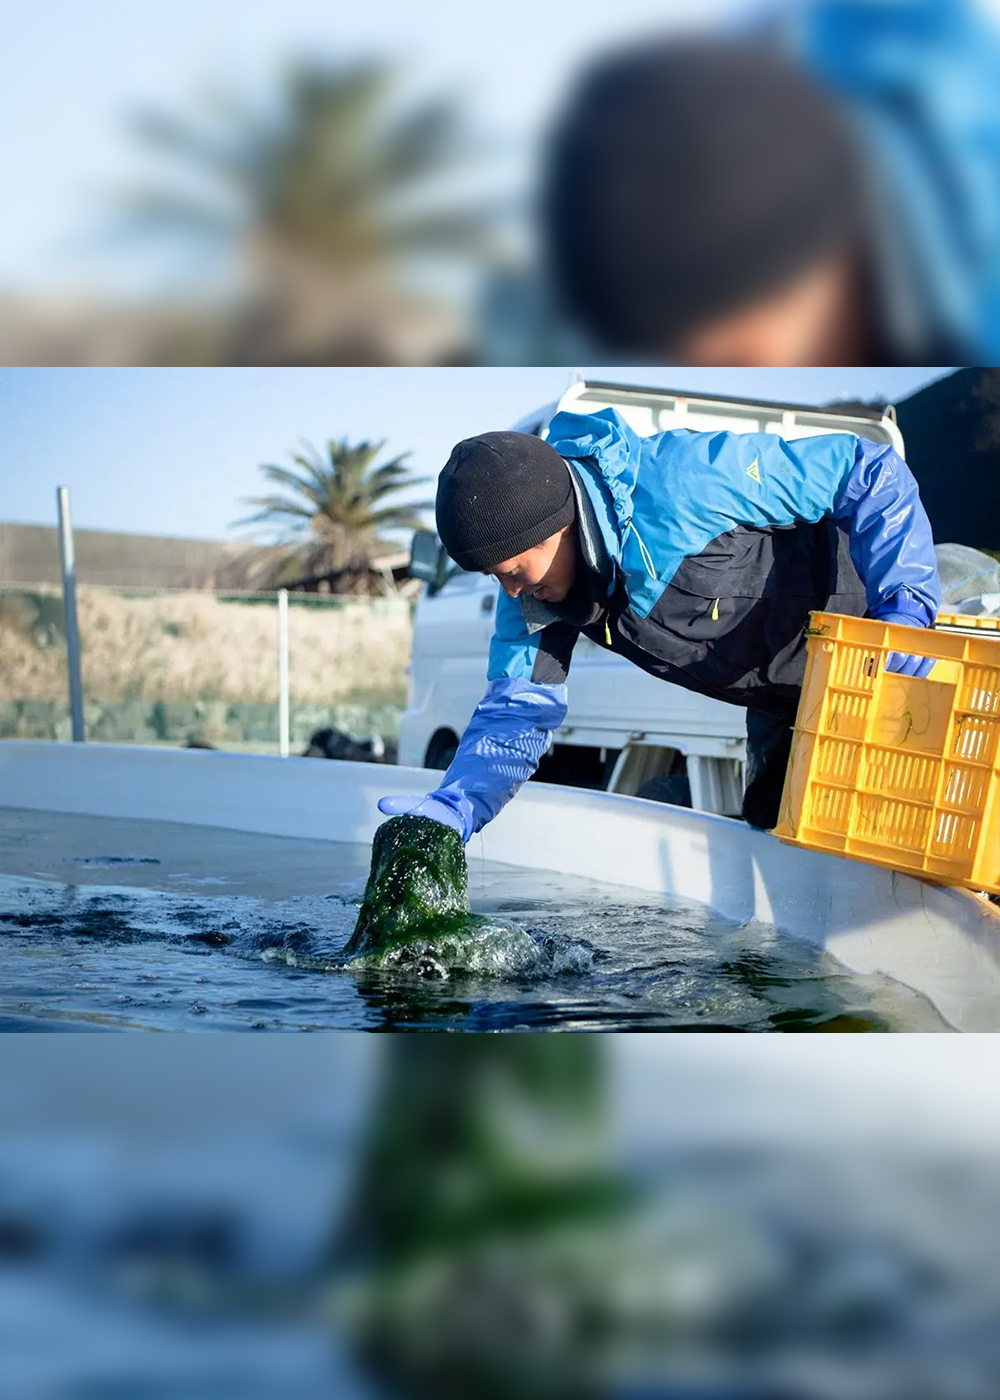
606	454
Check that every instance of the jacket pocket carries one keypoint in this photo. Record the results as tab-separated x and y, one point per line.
734	565
729	646
702	617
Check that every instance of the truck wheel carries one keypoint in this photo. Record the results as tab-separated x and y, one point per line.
668	787
441	749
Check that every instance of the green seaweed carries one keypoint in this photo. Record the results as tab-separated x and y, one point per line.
418	886
415	917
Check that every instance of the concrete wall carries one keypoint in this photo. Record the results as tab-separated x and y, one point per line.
224	726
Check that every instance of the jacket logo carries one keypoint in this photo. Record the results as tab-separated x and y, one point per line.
753	471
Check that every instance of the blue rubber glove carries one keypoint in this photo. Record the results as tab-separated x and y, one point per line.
900	661
423	807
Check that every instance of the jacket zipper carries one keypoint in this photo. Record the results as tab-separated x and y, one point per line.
651	571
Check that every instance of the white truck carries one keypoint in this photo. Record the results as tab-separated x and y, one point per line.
625	730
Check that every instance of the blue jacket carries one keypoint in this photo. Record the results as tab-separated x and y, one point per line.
708	551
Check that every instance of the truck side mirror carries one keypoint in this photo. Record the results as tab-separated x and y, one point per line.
427	558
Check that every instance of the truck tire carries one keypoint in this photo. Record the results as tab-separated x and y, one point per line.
673	788
441	749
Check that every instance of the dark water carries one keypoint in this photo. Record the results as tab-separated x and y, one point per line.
151	926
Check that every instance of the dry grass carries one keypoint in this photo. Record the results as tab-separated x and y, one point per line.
195	646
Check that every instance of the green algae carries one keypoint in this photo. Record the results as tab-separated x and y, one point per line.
415	916
418	885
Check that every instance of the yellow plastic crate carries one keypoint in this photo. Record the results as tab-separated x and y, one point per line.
961	623
894	769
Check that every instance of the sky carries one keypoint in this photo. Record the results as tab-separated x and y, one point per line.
173	451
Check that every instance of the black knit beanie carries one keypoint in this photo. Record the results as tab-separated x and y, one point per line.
688	177
500	494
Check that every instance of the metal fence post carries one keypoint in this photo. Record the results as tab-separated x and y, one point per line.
283	672
67	559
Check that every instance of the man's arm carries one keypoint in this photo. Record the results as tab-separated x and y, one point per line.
873	497
510	728
890	536
891	545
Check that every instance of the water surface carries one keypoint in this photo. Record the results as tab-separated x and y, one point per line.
158	926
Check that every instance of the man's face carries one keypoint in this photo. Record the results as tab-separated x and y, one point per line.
546	571
812	320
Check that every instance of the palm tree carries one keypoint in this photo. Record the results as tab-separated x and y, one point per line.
335	505
322	201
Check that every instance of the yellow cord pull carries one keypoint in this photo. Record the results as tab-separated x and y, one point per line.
715	610
607	632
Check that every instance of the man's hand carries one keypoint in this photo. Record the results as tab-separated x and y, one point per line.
423	807
900	661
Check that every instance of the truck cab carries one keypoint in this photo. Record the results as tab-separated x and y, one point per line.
625	731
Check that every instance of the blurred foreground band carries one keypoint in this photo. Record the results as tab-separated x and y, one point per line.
495	1216
819	186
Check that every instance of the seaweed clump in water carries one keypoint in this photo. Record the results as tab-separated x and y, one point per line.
418	884
416	916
